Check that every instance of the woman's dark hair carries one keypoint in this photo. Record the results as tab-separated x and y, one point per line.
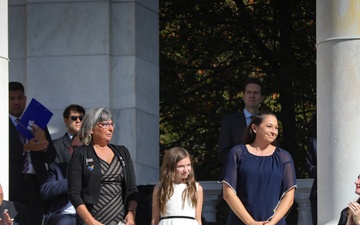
257	120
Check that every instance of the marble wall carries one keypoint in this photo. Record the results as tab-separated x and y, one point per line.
96	54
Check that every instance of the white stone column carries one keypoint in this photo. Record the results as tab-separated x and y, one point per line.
96	54
338	105
4	97
135	82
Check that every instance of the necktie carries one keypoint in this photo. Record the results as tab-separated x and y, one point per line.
26	162
71	149
27	154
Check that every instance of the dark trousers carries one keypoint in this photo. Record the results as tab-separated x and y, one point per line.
32	199
63	219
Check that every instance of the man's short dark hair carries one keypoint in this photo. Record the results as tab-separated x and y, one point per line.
16	86
73	107
253	80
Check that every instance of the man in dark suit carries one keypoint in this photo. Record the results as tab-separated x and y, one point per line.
55	192
233	126
27	158
12	211
72	115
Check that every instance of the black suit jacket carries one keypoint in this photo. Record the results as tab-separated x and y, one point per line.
55	189
16	211
16	162
62	146
232	132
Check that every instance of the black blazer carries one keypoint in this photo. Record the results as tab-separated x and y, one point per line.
62	146
343	216
232	132
55	190
84	177
16	162
16	211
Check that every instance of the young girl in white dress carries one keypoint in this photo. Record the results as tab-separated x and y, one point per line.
177	199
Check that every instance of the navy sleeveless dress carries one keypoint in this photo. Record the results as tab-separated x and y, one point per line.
259	181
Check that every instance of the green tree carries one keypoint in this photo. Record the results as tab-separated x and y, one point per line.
207	50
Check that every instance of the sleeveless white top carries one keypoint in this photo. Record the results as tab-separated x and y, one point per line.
175	207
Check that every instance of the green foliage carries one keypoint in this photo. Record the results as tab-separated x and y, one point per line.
207	50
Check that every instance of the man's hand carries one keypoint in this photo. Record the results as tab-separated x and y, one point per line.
39	142
38	133
7	219
35	145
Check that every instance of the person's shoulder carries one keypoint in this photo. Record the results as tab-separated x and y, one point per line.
239	148
343	216
234	114
81	150
285	155
119	148
60	139
11	205
156	187
198	185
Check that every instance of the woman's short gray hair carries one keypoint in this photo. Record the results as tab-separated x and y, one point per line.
90	120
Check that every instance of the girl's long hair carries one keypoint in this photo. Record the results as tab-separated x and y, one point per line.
167	176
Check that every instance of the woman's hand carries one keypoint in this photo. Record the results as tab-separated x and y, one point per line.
95	222
7	219
355	210
130	218
259	223
269	223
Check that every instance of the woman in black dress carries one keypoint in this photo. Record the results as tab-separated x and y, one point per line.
101	176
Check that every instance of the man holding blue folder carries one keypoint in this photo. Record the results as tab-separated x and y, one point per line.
27	157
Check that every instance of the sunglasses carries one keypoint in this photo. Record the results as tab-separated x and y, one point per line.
74	118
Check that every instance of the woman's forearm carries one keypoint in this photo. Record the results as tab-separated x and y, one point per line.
236	205
284	206
84	213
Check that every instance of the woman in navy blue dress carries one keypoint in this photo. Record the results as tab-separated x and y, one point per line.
259	182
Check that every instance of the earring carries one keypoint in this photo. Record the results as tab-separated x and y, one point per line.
254	131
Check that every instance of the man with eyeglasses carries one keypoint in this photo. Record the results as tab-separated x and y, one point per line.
73	115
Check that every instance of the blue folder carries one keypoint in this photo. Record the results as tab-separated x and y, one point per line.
35	113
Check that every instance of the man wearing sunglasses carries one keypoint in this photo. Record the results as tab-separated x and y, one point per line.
73	115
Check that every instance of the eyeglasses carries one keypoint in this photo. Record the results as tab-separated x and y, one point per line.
106	125
74	118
